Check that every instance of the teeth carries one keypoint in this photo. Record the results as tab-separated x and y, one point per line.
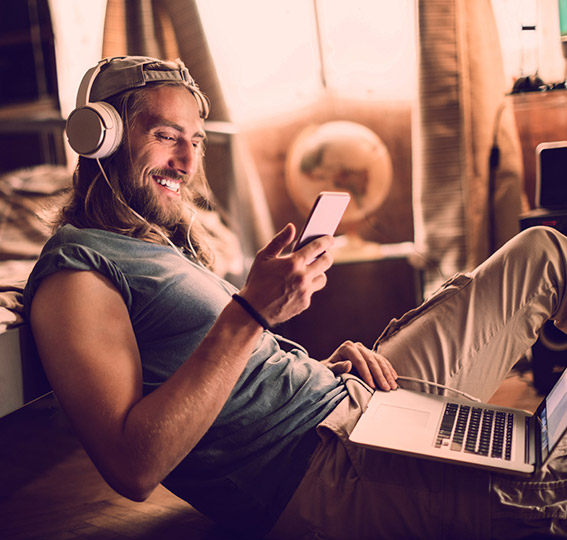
169	184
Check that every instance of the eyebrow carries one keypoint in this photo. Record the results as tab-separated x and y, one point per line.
162	122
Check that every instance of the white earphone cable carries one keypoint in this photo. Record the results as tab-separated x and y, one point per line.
230	290
414	379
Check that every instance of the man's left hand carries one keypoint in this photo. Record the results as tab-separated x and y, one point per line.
373	368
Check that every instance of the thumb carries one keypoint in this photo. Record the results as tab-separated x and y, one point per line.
279	242
341	367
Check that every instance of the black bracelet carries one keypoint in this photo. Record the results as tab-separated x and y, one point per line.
251	311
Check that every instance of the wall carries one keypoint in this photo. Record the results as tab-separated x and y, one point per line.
540	117
360	298
391	121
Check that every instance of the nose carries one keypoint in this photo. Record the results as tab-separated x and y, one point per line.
184	158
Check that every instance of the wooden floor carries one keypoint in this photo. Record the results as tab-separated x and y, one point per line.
49	490
517	390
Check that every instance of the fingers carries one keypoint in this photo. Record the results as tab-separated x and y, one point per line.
280	286
315	250
339	368
279	242
373	368
383	373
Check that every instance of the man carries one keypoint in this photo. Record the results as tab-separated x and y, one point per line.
170	375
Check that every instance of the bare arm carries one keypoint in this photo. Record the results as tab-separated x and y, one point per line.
88	348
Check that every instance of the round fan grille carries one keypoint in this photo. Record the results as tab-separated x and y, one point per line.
339	156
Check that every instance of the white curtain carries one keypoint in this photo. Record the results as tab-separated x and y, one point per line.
465	206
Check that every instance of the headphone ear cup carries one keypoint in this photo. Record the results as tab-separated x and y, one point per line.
94	130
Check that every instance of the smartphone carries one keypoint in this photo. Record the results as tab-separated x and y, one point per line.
324	217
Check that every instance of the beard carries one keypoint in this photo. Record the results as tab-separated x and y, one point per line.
143	197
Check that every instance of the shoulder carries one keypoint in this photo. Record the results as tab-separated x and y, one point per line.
75	249
98	239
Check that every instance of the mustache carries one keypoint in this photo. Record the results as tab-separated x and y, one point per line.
170	173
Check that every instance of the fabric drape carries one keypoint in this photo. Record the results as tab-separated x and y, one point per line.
466	204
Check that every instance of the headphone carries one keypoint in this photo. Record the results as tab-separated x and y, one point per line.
94	129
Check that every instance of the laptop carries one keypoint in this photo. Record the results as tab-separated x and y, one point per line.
462	431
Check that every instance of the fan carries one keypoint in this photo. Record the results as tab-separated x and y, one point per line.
341	156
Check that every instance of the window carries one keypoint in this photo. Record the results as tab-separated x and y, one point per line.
530	38
275	56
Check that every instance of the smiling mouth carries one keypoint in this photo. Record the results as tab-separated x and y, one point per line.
168	183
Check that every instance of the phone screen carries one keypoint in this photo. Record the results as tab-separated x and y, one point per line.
324	218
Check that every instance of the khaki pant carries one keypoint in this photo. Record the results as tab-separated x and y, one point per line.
467	336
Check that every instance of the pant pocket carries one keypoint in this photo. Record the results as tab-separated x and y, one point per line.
451	287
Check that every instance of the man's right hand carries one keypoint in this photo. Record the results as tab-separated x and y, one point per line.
280	286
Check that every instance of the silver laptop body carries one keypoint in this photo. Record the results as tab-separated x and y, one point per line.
463	431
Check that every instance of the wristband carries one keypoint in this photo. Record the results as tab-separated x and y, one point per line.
251	311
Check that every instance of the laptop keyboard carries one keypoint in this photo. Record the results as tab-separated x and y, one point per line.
476	430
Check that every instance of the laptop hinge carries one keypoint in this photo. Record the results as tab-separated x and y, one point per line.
533	449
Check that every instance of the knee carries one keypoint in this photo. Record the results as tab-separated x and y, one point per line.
537	248
540	248
540	236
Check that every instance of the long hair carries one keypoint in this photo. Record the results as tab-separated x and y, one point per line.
99	200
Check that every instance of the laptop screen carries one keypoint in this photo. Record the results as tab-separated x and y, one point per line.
552	416
551	175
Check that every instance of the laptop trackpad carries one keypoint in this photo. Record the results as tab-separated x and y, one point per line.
401	416
400	422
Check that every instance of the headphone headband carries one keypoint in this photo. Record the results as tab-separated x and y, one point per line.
83	95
